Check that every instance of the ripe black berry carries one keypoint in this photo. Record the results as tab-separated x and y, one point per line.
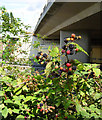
39	53
74	68
37	57
41	104
24	83
71	46
65	41
27	86
45	55
64	47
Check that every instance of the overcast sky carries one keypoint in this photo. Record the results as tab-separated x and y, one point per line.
28	10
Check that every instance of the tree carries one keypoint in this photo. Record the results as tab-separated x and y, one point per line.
12	30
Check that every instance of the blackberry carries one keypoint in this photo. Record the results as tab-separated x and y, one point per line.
41	104
45	55
71	46
74	68
64	47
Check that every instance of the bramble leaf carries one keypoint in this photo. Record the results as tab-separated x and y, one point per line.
5	112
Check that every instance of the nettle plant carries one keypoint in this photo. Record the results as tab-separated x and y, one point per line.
62	91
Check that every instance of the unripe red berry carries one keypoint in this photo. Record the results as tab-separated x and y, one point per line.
66	70
46	97
73	35
41	110
71	39
76	49
56	67
61	68
25	117
56	115
68	64
68	52
70	69
38	107
28	76
65	117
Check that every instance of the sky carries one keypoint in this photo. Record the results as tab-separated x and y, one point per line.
27	10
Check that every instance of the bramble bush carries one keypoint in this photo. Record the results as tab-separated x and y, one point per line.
69	90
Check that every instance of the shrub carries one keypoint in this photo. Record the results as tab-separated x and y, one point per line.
62	91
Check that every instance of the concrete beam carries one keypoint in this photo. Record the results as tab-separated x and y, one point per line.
82	15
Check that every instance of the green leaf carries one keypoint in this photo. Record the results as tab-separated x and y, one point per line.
84	103
8	101
28	98
1	107
82	80
80	48
96	71
98	111
92	107
1	93
97	96
87	85
82	93
58	103
19	92
67	103
49	48
16	111
5	112
20	117
94	115
84	113
48	69
14	83
80	67
91	90
10	110
25	88
54	52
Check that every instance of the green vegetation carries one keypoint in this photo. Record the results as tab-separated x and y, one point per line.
63	91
